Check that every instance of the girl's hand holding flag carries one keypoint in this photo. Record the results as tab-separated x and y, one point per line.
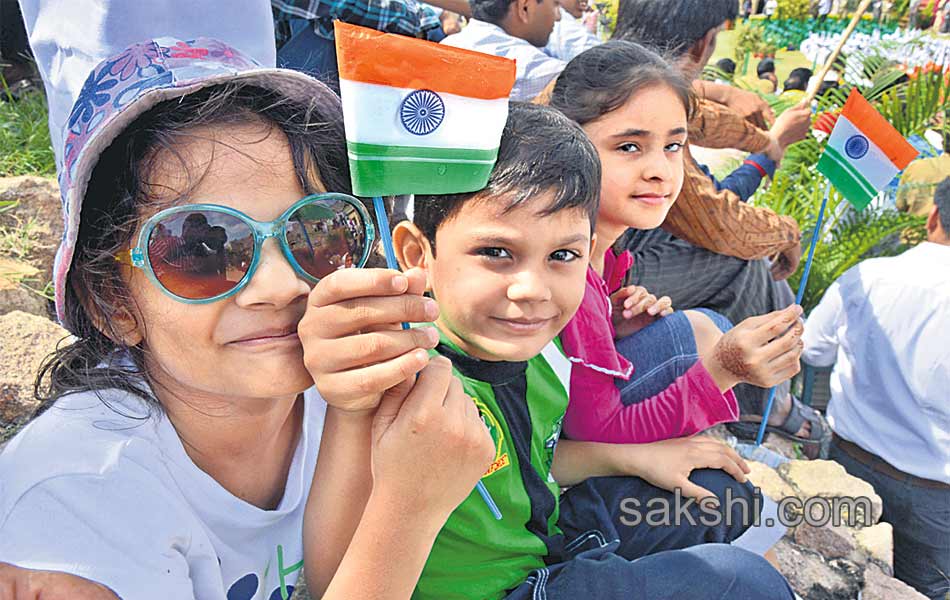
862	156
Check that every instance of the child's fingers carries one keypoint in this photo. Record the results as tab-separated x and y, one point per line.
360	389
417	281
639	307
776	324
788	341
429	392
391	403
660	306
691	490
732	464
366	349
349	284
635	294
351	316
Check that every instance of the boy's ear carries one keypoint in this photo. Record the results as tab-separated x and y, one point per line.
521	10
933	222
699	52
411	246
593	244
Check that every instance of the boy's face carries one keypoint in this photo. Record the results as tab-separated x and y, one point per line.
507	283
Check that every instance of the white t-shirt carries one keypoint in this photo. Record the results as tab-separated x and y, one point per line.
111	495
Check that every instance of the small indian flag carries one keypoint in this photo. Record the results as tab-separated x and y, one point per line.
864	152
420	118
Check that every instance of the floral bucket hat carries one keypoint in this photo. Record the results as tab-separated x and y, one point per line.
122	88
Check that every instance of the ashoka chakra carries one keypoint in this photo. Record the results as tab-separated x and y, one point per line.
422	112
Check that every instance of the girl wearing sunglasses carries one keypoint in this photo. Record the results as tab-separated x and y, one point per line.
183	450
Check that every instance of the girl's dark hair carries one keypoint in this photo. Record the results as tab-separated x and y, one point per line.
601	80
118	195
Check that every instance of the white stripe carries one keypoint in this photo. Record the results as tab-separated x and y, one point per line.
355	156
876	167
371	116
559	364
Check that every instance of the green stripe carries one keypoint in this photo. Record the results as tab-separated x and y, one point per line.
848	166
384	178
846	179
457	154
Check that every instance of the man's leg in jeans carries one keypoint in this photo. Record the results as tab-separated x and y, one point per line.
606	509
709	572
921	520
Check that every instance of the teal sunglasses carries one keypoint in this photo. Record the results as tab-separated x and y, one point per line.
199	253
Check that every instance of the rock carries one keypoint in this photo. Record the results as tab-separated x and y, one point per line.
22	299
765	478
830	542
878	542
812	577
14	295
38	207
783	446
828	479
25	340
879	586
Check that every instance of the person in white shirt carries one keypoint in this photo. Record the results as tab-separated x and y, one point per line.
570	36
207	432
884	326
770	7
517	29
824	9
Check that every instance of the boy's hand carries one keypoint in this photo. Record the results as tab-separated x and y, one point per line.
634	308
27	584
786	262
668	463
792	126
353	344
763	350
430	445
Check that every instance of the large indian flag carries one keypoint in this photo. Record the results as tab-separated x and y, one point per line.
864	152
420	118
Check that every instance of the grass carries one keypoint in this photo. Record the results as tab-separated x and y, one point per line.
24	135
785	60
20	240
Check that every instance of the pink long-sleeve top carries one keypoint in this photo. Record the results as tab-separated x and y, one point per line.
595	413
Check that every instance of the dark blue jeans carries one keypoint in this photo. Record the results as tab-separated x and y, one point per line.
661	352
606	558
921	520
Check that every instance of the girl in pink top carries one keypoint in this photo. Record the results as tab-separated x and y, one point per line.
635	108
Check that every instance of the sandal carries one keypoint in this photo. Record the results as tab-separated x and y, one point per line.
816	445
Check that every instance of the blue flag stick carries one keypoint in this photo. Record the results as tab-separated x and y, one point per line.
798	300
386	235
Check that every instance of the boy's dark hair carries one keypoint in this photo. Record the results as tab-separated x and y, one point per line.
765	66
491	11
942	200
119	194
672	26
541	151
798	79
727	66
602	79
